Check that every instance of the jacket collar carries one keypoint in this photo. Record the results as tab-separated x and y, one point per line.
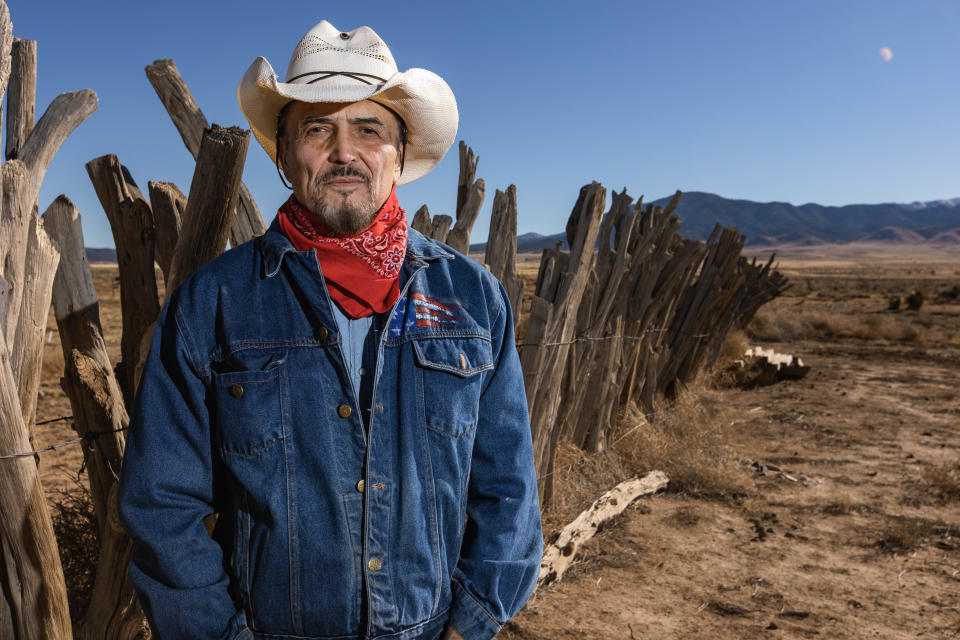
274	245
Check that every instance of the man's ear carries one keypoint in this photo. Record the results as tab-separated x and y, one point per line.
398	165
281	155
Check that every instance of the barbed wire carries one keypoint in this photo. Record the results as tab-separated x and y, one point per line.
51	420
89	435
520	345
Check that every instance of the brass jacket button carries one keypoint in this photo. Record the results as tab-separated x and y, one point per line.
344	411
324	333
374	564
236	390
360	486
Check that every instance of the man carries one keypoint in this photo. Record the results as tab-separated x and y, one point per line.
343	392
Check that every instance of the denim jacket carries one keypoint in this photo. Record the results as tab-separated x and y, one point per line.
327	529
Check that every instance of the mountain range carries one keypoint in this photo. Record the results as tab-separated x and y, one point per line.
934	222
777	223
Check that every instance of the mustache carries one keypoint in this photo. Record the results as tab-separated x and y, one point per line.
343	172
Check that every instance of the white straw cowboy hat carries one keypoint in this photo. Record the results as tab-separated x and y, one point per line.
334	66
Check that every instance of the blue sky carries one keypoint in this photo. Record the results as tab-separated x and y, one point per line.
757	100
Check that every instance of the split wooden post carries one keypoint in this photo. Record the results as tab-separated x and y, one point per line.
554	346
501	254
22	179
470	194
212	200
131	221
26	353
34	602
421	221
98	414
168	204
22	95
191	123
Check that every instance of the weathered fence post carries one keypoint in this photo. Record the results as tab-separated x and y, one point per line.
131	221
100	417
501	254
212	201
22	95
34	597
168	204
191	123
469	200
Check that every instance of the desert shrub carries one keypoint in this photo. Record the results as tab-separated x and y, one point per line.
900	534
950	295
894	304
75	526
942	481
915	300
772	324
734	347
683	440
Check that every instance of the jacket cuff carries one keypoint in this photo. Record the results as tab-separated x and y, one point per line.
469	618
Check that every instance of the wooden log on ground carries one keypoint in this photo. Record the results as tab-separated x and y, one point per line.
26	355
168	204
21	95
212	201
34	595
131	221
558	556
191	123
99	414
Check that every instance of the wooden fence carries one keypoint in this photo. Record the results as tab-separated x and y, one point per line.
630	312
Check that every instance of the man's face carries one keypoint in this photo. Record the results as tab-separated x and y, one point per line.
342	160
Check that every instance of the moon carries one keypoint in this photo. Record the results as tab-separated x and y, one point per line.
886	54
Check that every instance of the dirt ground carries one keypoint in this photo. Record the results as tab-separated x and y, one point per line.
847	520
849	525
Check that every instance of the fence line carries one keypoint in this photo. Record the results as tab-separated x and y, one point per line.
89	435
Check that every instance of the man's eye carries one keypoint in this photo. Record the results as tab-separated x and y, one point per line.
370	131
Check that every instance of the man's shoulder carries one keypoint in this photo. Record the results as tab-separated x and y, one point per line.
461	263
233	270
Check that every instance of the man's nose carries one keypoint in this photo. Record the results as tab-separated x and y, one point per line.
342	149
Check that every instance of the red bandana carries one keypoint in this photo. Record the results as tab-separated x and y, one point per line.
362	271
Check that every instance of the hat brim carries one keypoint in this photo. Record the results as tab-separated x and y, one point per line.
420	97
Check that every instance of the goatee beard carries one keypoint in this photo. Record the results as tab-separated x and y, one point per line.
344	218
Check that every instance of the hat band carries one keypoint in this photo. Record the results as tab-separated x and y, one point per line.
355	75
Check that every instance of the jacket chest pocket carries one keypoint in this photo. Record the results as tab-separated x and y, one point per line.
449	381
249	410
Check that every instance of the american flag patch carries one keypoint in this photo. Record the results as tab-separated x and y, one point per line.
430	313
421	312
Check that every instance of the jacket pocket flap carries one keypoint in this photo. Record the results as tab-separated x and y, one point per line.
463	357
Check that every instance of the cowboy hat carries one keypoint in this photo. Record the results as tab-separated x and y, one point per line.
328	65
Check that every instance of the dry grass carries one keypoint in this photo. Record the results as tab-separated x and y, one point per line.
901	534
688	443
782	324
579	479
682	438
942	481
75	526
